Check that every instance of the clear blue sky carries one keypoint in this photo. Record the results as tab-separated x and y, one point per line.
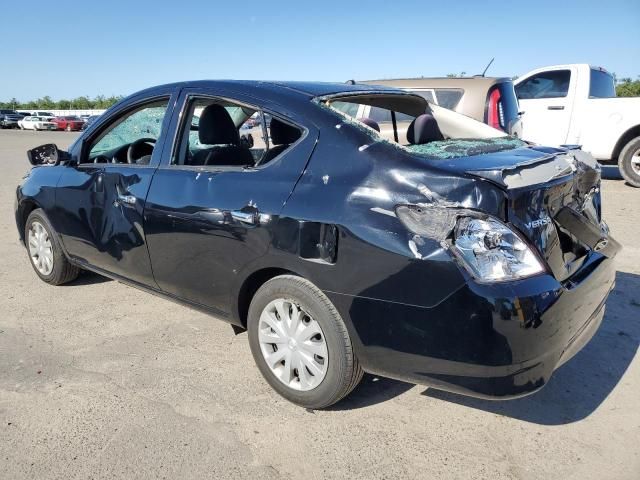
69	48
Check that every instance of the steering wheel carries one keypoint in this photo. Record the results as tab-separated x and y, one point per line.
140	148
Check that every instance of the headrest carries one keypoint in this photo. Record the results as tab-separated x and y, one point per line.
282	133
216	127
370	123
424	129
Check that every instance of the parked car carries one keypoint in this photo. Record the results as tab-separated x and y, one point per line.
476	266
36	123
487	99
70	123
42	114
577	104
9	118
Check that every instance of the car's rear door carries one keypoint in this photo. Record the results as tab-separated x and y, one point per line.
207	225
100	198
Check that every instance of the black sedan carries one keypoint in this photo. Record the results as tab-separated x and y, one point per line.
463	259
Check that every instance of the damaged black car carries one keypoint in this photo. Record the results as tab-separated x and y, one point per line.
430	248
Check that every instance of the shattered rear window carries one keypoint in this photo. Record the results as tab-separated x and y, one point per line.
443	149
453	148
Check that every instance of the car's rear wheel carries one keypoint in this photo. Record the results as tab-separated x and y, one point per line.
629	162
45	253
301	344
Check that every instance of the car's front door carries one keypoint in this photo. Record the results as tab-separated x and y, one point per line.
212	207
100	198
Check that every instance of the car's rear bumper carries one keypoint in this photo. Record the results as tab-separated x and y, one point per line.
490	341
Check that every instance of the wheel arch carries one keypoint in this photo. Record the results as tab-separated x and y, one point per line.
25	208
625	138
251	285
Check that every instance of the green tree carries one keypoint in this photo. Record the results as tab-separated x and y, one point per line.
626	87
82	103
46	102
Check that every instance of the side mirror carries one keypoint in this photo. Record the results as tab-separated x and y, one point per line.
47	154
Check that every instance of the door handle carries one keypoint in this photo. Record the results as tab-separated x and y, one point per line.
124	198
555	107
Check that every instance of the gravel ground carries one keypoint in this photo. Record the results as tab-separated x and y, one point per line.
99	380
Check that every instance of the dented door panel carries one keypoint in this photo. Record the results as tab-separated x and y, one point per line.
97	227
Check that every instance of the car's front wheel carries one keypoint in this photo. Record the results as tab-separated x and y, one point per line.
629	162
45	253
301	344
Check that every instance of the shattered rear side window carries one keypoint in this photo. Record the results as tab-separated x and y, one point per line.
468	147
443	149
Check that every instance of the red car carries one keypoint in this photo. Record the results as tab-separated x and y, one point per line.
69	123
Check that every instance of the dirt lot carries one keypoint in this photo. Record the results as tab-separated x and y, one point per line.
99	380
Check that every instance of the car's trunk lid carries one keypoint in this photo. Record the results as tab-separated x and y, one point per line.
553	198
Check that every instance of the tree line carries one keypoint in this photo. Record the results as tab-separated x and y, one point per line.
78	103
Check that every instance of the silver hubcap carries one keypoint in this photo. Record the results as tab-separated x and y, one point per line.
635	162
293	345
40	248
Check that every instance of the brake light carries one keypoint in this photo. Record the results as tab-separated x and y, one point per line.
494	114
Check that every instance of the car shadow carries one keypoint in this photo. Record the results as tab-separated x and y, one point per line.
580	386
88	278
371	391
611	172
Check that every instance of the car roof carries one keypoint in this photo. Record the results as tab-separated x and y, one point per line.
307	89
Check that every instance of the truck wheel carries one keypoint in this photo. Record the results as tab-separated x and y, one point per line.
629	162
45	253
301	344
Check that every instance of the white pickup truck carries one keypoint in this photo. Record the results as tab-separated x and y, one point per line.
577	104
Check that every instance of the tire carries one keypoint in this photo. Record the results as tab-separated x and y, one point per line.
630	166
62	271
342	372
